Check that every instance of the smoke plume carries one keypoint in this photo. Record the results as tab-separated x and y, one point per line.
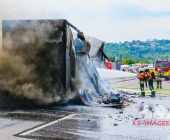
30	70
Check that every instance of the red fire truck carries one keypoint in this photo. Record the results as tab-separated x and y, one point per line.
164	66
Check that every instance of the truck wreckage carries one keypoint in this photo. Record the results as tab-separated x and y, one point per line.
52	67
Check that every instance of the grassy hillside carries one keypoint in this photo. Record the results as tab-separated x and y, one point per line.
140	50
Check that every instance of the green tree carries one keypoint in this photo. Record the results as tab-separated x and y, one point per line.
144	62
149	50
111	58
129	61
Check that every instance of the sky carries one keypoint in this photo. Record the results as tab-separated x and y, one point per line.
107	20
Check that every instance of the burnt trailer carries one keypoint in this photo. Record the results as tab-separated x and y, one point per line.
34	34
42	66
47	46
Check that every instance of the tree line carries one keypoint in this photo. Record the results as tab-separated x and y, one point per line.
138	51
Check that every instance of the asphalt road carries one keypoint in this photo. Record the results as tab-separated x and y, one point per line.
89	123
133	85
99	123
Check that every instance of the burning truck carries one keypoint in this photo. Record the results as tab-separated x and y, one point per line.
39	65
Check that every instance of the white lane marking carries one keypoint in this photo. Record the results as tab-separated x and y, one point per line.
48	124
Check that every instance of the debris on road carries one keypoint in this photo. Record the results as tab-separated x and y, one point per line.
115	124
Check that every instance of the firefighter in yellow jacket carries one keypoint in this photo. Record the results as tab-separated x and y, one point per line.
159	79
141	78
151	79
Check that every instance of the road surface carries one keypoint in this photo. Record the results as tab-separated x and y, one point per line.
88	123
133	85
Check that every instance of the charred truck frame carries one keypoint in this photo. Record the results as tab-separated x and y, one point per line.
48	46
55	34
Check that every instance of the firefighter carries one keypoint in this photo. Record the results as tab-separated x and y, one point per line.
141	77
159	79
145	78
151	79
